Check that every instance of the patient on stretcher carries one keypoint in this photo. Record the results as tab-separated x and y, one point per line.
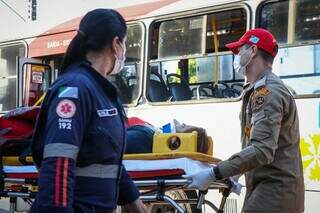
161	154
141	136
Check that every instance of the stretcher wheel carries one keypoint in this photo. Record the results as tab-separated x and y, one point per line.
176	195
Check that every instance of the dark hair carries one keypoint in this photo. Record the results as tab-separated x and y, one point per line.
97	29
265	56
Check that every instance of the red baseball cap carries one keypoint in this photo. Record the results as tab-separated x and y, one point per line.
262	38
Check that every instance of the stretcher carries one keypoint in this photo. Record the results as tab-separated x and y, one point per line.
155	180
158	174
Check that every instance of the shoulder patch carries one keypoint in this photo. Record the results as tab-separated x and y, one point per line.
66	108
261	91
258	98
68	92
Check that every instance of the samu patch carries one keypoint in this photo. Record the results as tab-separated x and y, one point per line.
66	108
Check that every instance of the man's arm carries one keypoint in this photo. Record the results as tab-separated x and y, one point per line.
266	123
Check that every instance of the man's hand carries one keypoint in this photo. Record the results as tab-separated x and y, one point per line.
136	207
202	179
236	186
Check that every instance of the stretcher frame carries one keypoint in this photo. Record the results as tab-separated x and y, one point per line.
152	191
173	184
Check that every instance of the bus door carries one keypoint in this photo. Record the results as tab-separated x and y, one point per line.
34	79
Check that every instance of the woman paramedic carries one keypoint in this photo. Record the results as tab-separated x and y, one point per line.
80	135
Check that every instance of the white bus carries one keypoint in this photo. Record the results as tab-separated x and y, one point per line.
178	67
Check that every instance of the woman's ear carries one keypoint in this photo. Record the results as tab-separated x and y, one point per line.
115	47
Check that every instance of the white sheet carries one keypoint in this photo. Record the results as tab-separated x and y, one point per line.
186	164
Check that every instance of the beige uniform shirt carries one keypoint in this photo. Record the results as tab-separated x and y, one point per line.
270	156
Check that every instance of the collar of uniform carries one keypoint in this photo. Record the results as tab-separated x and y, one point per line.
247	88
106	85
261	81
246	85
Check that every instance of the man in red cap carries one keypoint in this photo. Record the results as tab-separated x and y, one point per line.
270	156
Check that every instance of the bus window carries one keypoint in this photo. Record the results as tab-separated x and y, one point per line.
301	76
302	33
274	17
228	26
307	20
180	37
202	69
133	43
291	21
8	75
55	63
128	80
189	56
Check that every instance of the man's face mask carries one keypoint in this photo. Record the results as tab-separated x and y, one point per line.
119	63
241	60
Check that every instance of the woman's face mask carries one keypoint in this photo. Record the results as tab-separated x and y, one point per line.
119	63
241	60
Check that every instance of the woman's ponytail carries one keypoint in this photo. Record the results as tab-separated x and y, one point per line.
97	29
75	52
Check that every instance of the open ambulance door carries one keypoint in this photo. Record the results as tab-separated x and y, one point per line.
34	79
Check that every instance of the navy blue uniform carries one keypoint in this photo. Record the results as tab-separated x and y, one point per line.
78	146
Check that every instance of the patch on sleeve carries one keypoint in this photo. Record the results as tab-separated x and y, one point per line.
66	108
259	98
68	92
107	112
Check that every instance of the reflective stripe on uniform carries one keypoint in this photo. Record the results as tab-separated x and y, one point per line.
60	150
98	171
